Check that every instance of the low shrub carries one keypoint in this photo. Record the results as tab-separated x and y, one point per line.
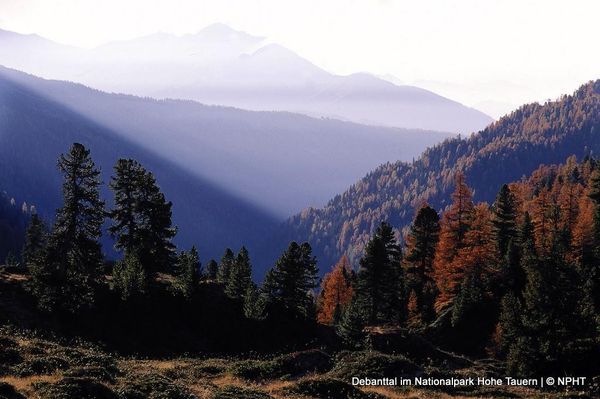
290	365
328	388
372	365
69	388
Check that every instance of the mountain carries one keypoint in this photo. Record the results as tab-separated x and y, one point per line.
505	151
35	130
222	66
281	162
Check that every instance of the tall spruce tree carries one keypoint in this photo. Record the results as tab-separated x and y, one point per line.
225	266
420	253
504	219
289	284
142	217
380	291
73	258
240	276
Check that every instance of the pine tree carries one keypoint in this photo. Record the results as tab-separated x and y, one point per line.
336	291
212	268
188	272
129	277
351	326
142	217
422	240
380	291
504	219
253	302
225	266
73	258
240	276
35	242
289	284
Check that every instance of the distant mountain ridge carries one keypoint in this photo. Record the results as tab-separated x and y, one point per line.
503	152
219	65
35	130
280	162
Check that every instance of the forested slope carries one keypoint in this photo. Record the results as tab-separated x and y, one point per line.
505	151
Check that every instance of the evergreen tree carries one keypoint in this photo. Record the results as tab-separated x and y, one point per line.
504	219
73	257
11	260
240	276
253	302
420	253
225	266
129	277
212	269
35	241
188	272
351	326
142	217
289	284
380	294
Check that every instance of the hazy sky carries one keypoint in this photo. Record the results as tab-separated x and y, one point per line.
479	52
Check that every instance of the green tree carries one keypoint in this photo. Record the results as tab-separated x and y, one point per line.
225	266
380	284
188	272
129	277
253	302
35	241
351	326
504	219
289	284
421	244
240	276
142	217
73	257
212	268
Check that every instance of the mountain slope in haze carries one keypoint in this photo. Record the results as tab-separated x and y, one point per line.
35	130
219	65
281	162
505	151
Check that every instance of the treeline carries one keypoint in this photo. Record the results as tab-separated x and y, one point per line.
69	273
518	280
505	151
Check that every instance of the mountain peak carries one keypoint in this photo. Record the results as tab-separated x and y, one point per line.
222	31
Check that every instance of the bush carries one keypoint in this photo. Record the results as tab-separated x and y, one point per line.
328	388
69	388
41	365
372	365
153	386
7	391
291	365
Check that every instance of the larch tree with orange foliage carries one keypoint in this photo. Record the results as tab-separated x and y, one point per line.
336	292
456	221
475	266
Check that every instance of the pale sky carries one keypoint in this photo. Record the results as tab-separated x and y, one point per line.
495	52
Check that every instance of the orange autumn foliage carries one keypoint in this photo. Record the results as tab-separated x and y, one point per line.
455	223
336	291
